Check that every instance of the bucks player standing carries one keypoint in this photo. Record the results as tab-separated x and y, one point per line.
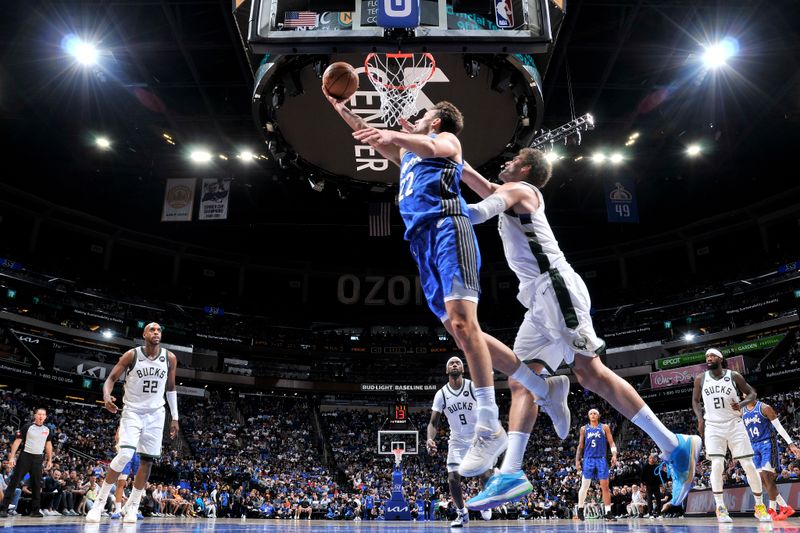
717	401
150	372
457	401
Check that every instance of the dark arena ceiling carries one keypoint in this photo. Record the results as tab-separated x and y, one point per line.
179	67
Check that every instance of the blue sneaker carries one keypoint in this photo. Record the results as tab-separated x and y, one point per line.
681	463
116	516
500	489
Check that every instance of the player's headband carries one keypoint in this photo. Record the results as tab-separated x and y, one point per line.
714	351
454	358
594	411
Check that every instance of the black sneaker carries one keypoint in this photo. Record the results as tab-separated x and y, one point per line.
609	516
36	514
580	515
3	513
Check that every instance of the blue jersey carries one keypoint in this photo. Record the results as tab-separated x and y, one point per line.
595	442
429	190
759	427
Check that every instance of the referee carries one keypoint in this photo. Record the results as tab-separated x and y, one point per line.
36	440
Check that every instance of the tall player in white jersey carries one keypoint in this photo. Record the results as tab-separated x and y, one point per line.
457	401
557	325
150	373
717	400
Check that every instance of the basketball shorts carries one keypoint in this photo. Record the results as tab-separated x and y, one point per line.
131	468
448	259
721	436
557	324
456	450
595	468
766	455
142	431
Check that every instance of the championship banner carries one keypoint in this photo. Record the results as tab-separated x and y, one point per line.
178	200
685	375
742	347
214	201
621	201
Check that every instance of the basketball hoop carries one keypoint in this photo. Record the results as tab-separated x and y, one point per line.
399	78
398	455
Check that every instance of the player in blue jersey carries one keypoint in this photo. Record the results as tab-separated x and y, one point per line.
762	425
592	448
445	249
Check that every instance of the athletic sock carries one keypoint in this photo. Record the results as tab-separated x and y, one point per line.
487	408
530	380
665	439
517	443
719	500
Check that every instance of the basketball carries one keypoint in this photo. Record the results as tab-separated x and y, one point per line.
340	80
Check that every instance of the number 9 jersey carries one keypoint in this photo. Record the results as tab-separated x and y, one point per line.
146	381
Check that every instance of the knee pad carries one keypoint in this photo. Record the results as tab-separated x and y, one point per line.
753	478
717	466
123	457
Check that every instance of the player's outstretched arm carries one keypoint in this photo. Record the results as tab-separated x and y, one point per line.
475	181
125	361
390	151
507	196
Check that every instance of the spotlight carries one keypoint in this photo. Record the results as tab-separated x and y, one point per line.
717	55
103	143
616	158
200	156
599	158
85	53
107	334
688	336
693	150
246	156
551	156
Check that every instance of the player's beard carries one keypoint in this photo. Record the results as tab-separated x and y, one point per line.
713	366
455	373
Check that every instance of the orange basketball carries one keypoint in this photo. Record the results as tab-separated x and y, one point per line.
340	80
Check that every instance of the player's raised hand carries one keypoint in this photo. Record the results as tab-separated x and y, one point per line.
108	403
431	445
335	102
407	126
374	136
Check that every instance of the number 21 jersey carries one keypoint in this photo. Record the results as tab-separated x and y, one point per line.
718	395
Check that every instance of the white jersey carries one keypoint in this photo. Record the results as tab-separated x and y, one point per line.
531	248
146	381
461	409
718	395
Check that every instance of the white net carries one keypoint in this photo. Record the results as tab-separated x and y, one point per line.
398	78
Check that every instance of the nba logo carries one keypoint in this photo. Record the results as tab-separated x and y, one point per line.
504	13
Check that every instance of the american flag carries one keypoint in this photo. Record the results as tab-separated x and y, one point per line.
380	219
300	19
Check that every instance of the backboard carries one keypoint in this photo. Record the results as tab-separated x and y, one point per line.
456	26
389	440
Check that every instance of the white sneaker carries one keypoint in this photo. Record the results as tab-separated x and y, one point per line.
93	516
129	517
486	514
555	405
485	448
462	517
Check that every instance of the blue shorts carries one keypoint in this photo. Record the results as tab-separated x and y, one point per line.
595	468
132	467
766	454
444	250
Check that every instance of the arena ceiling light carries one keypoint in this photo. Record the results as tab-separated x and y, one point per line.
599	158
616	158
688	336
84	52
552	156
107	333
693	150
200	156
717	55
103	143
246	156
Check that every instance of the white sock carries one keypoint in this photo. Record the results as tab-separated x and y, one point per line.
718	499
530	380
133	500
759	499
488	412
117	506
773	505
105	490
780	500
607	508
652	426
517	442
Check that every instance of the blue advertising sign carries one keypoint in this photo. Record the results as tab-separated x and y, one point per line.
398	13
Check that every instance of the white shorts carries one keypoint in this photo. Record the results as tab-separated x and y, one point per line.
557	324
456	450
720	436
142	431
